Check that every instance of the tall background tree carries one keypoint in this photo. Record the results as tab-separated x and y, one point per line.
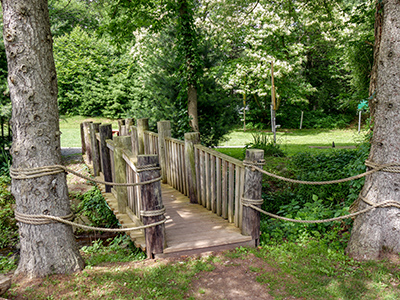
46	248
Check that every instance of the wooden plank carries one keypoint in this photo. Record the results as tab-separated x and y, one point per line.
220	155
224	189
219	187
241	194
207	180
212	184
202	180
237	195
231	192
197	166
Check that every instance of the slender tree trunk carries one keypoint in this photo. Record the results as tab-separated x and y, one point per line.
374	71
192	107
379	230
188	47
48	248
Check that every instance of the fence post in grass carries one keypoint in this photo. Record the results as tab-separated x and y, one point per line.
252	194
94	128
121	143
142	126
191	138
164	130
152	205
86	138
105	134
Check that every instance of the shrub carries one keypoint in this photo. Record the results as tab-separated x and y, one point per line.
95	209
8	226
263	141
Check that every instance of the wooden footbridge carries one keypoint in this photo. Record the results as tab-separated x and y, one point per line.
199	197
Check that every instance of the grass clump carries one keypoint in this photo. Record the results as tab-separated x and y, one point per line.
119	249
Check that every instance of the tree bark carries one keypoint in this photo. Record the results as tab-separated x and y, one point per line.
192	108
379	230
374	71
48	248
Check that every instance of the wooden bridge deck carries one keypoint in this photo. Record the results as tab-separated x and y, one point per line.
189	229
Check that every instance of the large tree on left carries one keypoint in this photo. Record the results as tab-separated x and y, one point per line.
48	248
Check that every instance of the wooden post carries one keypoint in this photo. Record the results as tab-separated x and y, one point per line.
151	201
121	122
301	119
94	128
128	123
142	125
86	133
105	134
164	130
252	191
121	143
191	138
83	140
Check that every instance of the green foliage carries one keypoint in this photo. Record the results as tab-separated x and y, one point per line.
156	89
5	159
264	141
65	15
309	202
119	249
7	263
8	226
95	209
93	75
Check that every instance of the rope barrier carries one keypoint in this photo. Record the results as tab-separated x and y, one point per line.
152	213
388	203
45	219
50	170
393	168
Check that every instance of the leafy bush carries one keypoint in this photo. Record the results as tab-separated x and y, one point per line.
95	209
5	162
8	226
93	76
263	141
120	249
316	202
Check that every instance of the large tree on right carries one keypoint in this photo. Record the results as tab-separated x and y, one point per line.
379	229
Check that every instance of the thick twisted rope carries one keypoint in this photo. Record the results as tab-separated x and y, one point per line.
393	168
50	170
45	219
152	213
388	203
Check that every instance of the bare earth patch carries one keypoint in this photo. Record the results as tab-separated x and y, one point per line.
232	278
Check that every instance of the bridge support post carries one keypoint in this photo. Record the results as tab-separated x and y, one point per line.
94	128
105	134
191	138
121	143
152	205
86	141
252	194
142	126
164	130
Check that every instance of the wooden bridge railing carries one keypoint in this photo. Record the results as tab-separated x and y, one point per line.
222	180
208	177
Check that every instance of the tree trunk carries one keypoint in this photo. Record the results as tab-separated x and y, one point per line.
374	71
379	230
192	108
48	248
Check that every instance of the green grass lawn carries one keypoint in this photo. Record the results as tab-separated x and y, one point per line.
294	140
70	128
